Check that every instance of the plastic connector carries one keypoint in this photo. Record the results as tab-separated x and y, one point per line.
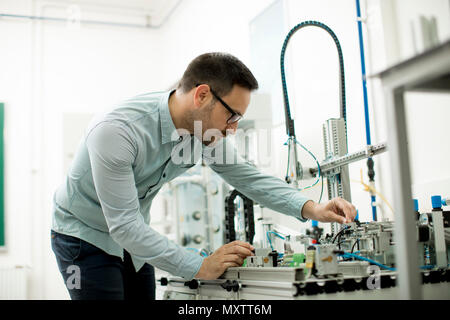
436	202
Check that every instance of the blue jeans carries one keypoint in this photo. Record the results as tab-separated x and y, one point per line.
90	273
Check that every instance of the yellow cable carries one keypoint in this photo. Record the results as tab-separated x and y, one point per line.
367	188
372	189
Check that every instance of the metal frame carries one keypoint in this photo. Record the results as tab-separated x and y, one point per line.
252	284
327	166
429	71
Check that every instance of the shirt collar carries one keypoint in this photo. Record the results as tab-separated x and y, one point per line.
168	131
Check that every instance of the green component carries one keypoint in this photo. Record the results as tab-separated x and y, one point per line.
294	260
2	189
245	263
297	258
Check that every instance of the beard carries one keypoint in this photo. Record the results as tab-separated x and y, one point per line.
208	134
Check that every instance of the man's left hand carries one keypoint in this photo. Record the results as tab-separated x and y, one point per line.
335	210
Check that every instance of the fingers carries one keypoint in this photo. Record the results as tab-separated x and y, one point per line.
229	255
233	253
239	250
233	258
231	264
333	217
240	244
344	209
338	210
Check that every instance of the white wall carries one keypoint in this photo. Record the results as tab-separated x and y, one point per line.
313	80
15	64
49	70
315	83
312	72
200	26
426	112
390	40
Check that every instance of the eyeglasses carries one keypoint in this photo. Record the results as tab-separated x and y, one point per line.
235	117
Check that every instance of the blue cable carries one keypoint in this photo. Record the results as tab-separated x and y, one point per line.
312	155
366	100
270	241
318	165
363	70
352	255
373	199
280	255
427	267
277	234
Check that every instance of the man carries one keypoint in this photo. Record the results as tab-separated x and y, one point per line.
101	236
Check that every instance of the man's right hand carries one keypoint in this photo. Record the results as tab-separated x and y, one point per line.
229	255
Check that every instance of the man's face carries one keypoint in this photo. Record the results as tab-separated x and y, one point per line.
216	114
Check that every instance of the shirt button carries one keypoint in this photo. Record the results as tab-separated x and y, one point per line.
180	139
164	175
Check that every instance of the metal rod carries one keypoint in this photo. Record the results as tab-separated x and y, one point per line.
406	253
366	105
336	162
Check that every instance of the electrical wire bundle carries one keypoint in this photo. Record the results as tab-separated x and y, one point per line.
319	174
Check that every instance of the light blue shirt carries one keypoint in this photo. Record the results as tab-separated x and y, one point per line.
124	159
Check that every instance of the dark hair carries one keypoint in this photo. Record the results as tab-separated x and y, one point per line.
221	71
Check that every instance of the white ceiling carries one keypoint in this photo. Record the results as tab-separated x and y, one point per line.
157	10
143	6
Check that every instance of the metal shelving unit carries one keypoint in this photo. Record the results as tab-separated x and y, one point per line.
429	71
